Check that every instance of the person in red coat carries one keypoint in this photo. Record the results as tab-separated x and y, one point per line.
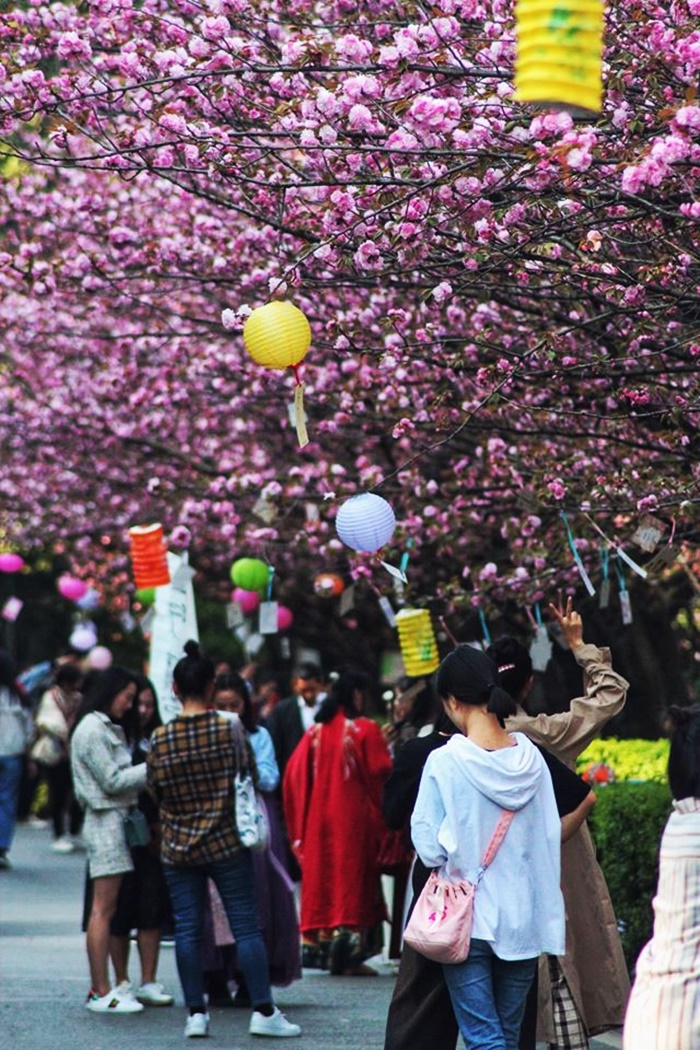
332	803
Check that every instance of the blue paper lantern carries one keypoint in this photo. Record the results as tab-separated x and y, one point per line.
365	522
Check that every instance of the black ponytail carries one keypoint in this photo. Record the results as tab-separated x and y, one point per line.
513	664
469	675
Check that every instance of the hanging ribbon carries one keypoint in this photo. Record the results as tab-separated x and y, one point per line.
577	557
403	564
484	628
605	585
270	576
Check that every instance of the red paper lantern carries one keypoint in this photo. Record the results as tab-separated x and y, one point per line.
148	556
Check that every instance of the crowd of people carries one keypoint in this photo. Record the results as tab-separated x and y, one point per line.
345	799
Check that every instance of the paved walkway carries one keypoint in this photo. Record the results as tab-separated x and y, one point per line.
44	978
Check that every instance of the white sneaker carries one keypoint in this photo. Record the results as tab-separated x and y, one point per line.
197	1026
114	1002
62	845
36	822
154	994
274	1025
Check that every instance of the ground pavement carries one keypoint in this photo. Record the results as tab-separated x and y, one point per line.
43	978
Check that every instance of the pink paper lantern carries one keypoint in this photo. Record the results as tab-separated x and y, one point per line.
10	562
247	600
285	618
99	658
71	587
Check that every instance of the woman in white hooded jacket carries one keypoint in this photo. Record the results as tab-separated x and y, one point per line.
518	906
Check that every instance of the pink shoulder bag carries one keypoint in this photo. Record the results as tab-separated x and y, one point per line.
440	926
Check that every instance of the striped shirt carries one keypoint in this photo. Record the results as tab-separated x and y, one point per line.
191	767
664	1006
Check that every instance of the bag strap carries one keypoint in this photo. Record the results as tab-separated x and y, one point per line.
496	840
239	743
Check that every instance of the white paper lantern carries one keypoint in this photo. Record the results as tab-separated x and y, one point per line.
84	637
365	522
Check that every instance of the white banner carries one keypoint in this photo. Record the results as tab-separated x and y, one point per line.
174	623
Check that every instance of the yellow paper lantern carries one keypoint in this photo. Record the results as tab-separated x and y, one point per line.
277	335
418	643
559	54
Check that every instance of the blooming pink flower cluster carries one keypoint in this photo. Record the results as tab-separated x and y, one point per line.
503	300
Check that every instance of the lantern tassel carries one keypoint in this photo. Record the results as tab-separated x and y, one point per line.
299	414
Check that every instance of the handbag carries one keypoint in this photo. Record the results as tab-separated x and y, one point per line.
251	818
249	809
47	750
136	829
440	926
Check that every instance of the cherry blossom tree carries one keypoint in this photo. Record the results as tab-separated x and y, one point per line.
505	301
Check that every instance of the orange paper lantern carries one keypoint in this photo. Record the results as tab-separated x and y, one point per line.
148	556
328	585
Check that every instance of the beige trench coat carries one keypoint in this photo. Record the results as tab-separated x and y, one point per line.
594	964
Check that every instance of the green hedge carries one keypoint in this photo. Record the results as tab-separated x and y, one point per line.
626	824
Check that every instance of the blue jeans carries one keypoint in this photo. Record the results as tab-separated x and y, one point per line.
10	779
233	878
488	996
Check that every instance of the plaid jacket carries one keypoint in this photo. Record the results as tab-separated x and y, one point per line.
191	766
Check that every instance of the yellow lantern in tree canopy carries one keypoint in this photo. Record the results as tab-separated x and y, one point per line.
418	643
559	54
277	335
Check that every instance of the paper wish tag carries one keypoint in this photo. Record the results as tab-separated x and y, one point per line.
626	607
234	615
347	600
648	533
541	649
267	623
388	610
604	598
12	608
253	644
398	574
665	557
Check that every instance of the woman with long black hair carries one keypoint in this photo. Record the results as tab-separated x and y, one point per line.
106	785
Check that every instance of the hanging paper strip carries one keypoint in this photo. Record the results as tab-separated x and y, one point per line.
619	551
577	557
559	54
625	602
